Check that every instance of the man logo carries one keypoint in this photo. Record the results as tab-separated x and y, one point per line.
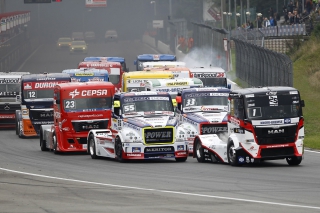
276	131
74	93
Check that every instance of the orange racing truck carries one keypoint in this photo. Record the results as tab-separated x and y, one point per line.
78	108
37	102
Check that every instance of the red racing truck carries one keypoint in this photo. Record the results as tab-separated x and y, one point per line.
114	69
78	108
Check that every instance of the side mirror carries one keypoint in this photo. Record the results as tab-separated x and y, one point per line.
135	62
116	104
229	86
178	99
302	103
58	101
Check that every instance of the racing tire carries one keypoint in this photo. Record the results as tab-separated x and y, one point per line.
181	159
43	144
232	158
294	161
199	151
19	131
118	150
17	126
92	147
55	143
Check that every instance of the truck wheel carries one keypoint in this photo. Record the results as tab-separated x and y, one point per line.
118	149
199	151
232	160
19	131
181	159
294	161
55	143
43	144
17	127
92	147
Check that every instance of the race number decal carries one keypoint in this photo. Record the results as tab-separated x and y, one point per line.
129	108
69	104
32	94
273	100
191	102
254	112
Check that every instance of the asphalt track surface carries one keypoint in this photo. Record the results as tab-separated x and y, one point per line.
36	181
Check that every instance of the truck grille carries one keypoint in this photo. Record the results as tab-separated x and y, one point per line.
85	126
160	135
282	135
9	108
277	152
39	115
213	129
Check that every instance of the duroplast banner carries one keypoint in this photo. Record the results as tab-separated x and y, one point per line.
96	3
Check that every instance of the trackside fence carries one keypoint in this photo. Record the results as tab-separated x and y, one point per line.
258	66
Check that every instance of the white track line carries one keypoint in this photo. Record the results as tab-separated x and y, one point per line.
164	191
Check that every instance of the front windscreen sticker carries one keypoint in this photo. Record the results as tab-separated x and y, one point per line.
129	108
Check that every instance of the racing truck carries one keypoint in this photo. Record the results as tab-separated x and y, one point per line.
114	69
264	123
172	86
78	108
87	74
143	126
121	60
152	57
202	111
10	97
211	76
36	106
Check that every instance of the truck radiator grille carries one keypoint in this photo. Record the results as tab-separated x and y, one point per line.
85	126
282	135
213	129
159	135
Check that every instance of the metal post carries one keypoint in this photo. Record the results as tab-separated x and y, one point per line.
235	12
222	16
302	5
155	8
241	12
170	8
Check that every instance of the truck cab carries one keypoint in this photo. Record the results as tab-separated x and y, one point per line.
36	107
152	57
10	97
211	76
78	108
202	111
143	127
263	124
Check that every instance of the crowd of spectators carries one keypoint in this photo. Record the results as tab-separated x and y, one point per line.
292	13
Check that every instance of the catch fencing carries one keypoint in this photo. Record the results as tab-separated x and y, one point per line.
258	66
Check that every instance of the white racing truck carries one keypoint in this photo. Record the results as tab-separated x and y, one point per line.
263	124
202	111
172	86
143	126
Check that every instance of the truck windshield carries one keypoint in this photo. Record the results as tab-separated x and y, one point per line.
32	95
214	82
114	79
205	99
140	104
273	106
10	87
87	104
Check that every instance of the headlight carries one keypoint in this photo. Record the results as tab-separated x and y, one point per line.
59	44
72	48
84	48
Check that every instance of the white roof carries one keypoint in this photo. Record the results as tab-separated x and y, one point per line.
206	69
163	64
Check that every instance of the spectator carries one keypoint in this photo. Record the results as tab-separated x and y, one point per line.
271	12
260	22
291	18
309	6
190	43
266	22
271	21
251	25
290	7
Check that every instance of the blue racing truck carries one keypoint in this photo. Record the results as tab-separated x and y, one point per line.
85	75
37	102
152	57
